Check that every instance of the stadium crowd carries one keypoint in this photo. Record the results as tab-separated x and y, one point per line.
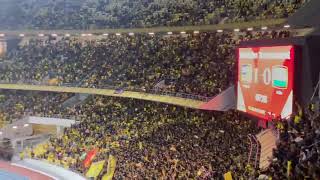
89	14
201	63
16	104
143	137
150	140
298	149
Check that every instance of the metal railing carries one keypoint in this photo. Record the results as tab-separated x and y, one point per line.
30	141
254	146
58	116
273	127
315	90
251	148
151	91
179	94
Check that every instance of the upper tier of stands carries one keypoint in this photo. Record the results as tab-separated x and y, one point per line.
199	63
89	14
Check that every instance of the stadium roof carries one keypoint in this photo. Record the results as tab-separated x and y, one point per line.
307	16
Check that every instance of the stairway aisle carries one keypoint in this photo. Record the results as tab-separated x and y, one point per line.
267	140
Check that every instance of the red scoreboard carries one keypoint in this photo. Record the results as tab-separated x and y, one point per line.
265	81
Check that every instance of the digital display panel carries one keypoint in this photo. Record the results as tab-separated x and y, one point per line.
265	81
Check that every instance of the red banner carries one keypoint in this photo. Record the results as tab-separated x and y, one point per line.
90	155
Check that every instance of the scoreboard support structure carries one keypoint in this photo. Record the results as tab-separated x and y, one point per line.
316	89
315	99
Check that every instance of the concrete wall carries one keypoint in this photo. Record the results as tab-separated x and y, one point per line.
17	129
56	172
50	121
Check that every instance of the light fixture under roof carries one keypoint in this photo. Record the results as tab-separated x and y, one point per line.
169	32
264	28
250	29
54	35
151	33
195	32
105	34
2	35
26	125
118	34
131	34
236	30
286	26
40	35
219	30
14	127
182	32
21	35
67	35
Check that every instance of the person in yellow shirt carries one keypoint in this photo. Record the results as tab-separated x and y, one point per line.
279	125
21	155
297	119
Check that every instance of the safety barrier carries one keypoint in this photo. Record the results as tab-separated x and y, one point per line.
20	144
60	166
27	114
52	170
182	95
151	91
254	152
228	26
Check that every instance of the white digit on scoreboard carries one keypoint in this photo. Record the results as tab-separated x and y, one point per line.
267	76
255	75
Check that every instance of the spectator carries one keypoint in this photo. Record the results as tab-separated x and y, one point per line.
201	64
88	14
143	136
